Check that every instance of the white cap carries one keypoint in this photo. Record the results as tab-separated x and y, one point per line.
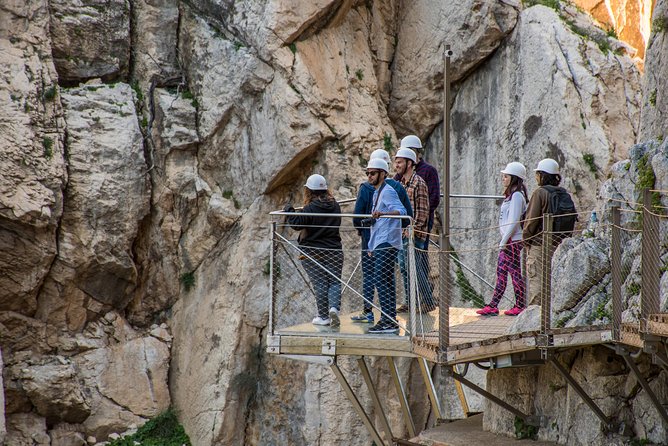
406	153
377	163
548	165
411	142
382	154
516	169
316	182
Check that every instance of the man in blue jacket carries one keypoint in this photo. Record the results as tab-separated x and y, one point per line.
364	205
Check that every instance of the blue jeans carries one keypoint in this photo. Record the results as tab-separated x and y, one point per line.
368	285
422	270
325	276
384	257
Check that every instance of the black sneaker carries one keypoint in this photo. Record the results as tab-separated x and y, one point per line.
384	328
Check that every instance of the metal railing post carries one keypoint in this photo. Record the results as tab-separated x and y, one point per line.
546	275
272	279
444	258
616	267
650	275
412	281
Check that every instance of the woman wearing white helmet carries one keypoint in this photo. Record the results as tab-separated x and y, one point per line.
512	208
320	242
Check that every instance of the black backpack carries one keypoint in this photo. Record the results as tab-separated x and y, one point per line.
561	206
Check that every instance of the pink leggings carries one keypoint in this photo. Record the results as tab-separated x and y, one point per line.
509	263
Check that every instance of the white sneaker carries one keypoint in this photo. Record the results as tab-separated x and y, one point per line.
320	321
334	316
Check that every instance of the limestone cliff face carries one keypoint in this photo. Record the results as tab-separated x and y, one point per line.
144	142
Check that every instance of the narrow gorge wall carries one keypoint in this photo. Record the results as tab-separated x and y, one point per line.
145	141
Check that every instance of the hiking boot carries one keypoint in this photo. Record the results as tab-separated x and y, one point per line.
334	317
321	321
363	318
488	311
513	311
384	328
403	309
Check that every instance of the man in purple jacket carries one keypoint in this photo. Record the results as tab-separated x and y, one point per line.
428	173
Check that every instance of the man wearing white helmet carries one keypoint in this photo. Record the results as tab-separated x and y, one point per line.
548	179
384	243
364	205
404	164
428	173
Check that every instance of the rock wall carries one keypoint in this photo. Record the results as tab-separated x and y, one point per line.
145	141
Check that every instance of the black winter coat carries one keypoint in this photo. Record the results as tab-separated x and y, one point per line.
318	231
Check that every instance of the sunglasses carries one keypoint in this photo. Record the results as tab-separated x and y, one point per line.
371	173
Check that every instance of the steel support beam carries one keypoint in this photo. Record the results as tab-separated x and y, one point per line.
374	397
528	419
646	387
608	426
356	404
401	394
431	390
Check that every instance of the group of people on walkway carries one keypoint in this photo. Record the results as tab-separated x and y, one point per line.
414	191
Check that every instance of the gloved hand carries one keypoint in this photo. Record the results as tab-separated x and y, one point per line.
288	208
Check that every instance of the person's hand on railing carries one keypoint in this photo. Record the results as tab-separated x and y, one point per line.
288	207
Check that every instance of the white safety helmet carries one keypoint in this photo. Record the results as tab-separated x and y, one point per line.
406	153
382	154
316	182
377	163
411	142
516	169
548	165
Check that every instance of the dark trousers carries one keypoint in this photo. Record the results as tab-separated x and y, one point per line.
325	276
383	273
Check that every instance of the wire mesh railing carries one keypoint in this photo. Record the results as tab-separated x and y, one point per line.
605	273
337	287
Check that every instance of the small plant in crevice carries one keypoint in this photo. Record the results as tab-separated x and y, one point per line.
50	93
187	281
652	98
138	93
647	180
359	74
601	312
228	194
468	293
267	268
187	95
163	430
588	159
633	289
611	32
524	430
554	4
293	48
238	45
561	323
660	24
47	144
387	143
